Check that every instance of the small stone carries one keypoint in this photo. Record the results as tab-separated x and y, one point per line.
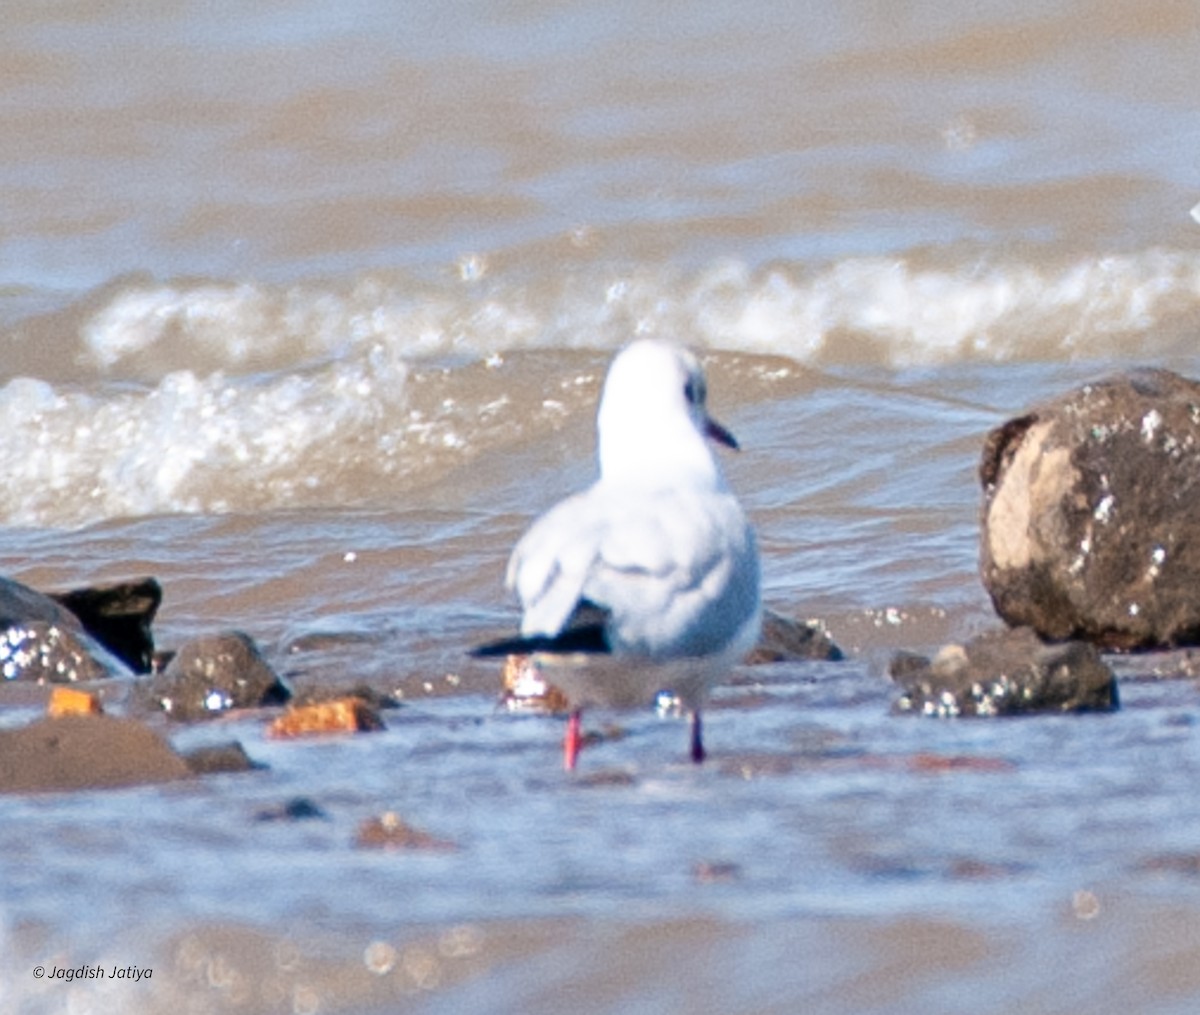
344	715
784	640
297	809
69	701
220	758
389	831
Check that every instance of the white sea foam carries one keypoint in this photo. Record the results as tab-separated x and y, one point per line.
209	397
193	443
887	310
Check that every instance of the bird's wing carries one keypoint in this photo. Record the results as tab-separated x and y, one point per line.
659	567
679	576
550	564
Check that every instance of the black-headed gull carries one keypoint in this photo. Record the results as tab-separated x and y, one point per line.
649	579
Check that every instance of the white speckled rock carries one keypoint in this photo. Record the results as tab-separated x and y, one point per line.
1006	672
44	642
1091	517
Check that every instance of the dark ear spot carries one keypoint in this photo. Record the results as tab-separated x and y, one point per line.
693	391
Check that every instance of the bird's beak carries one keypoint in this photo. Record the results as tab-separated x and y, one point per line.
718	433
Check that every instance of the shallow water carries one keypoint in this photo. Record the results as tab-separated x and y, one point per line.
304	310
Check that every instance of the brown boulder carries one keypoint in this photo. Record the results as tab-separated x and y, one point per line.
85	752
102	752
1090	527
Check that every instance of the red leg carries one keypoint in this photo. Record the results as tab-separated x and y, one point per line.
572	741
697	740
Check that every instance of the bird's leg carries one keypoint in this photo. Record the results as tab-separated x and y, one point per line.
697	740
572	741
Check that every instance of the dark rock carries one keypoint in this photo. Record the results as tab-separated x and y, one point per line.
787	641
212	674
297	809
48	653
19	604
1090	528
85	752
42	641
219	758
784	640
1005	673
119	617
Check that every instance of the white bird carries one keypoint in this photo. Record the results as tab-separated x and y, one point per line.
649	579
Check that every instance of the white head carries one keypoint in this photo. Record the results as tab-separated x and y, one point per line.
652	421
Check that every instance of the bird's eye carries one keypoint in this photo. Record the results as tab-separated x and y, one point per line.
693	391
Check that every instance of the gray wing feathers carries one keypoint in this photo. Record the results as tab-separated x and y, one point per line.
660	573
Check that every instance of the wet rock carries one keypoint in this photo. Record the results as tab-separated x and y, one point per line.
299	808
66	701
212	674
42	641
220	758
19	604
1005	673
1089	522
343	715
390	831
50	653
85	752
784	640
119	618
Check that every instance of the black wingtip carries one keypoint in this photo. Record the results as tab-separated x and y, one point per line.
505	647
588	639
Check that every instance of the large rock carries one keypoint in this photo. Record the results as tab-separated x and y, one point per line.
100	751
1005	673
85	752
1090	522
